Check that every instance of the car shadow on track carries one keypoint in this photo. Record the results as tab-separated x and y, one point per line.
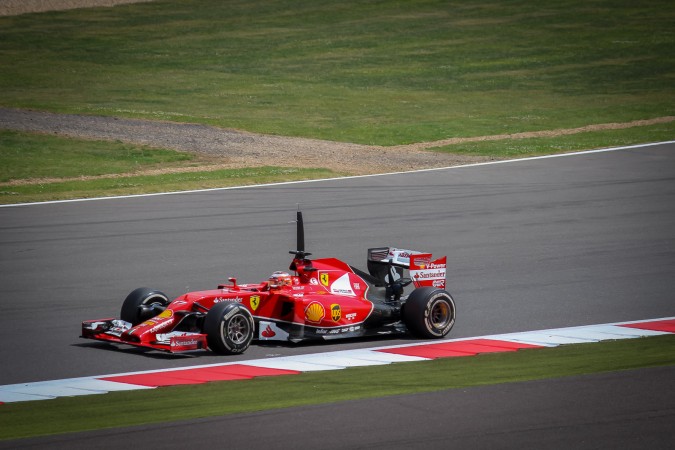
146	352
318	345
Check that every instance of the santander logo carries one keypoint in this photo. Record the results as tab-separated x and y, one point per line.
268	332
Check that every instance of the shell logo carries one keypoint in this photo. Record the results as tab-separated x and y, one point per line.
166	314
315	312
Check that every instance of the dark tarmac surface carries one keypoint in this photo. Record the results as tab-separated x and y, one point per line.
536	244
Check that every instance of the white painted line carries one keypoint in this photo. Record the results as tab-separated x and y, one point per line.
595	334
285	183
290	363
384	358
344	360
50	390
92	384
618	332
546	338
71	387
12	397
522	338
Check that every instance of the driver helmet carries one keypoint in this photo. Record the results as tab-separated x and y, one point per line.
279	279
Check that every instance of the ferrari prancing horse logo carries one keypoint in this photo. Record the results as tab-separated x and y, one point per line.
324	279
255	302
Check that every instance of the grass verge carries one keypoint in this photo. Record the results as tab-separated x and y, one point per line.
147	184
377	72
520	148
32	155
63	415
29	156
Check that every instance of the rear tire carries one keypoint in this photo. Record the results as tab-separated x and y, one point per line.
229	328
429	313
143	304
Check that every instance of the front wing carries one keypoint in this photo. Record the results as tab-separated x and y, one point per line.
114	330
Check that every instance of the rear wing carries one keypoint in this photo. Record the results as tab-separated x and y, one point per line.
385	263
427	272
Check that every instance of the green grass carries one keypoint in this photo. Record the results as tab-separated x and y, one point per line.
65	415
145	184
381	72
28	155
517	148
374	72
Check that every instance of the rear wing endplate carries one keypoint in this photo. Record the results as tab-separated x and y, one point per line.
427	272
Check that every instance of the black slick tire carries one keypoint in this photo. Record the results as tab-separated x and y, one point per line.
229	328
429	313
143	304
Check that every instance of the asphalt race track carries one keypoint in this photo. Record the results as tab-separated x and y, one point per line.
531	244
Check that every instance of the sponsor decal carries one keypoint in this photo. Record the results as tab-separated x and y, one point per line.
188	341
431	275
158	327
166	337
228	299
426	272
182	340
313	281
335	312
350	316
166	314
159	319
342	286
325	279
269	331
315	312
255	302
334	331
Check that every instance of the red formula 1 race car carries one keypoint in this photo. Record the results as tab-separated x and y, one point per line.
322	299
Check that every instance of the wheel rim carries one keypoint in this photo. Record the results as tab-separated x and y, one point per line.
152	301
238	329
440	315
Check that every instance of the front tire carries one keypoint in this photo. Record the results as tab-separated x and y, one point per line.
429	313
229	328
143	304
